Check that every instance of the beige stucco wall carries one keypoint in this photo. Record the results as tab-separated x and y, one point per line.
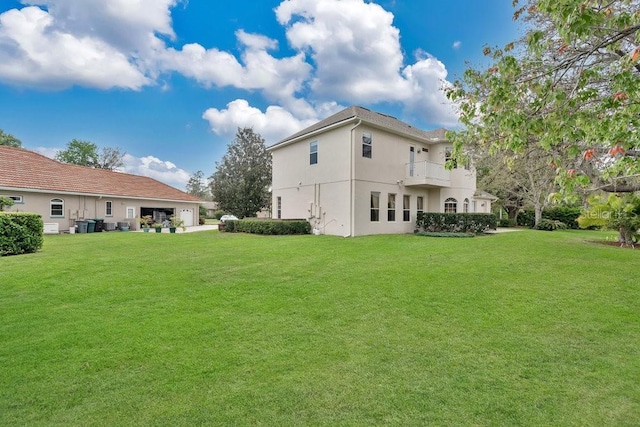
87	207
342	181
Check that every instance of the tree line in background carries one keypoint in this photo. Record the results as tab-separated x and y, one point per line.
556	115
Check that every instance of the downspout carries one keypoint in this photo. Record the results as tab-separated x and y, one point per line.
352	183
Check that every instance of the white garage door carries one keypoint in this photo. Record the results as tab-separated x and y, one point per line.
187	216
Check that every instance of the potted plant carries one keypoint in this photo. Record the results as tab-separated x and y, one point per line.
145	221
176	222
157	226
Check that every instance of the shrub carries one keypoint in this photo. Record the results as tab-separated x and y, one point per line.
456	223
551	225
20	233
201	220
218	214
566	214
507	222
267	226
435	234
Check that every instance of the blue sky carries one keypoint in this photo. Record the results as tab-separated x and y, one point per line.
169	81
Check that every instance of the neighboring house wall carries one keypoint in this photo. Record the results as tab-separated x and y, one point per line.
77	207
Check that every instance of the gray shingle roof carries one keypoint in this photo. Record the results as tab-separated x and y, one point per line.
355	113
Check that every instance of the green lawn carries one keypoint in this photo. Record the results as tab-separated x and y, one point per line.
141	329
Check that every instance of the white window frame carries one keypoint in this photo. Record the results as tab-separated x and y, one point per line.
17	200
313	153
375	207
406	208
419	205
450	204
54	202
391	207
465	205
130	212
367	145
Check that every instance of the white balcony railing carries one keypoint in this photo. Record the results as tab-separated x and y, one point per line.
427	173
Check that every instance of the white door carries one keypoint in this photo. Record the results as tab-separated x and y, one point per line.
187	216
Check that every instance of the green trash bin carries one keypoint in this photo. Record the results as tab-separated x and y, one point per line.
91	226
82	226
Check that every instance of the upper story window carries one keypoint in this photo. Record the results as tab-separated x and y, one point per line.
366	145
56	208
108	208
313	152
448	156
450	205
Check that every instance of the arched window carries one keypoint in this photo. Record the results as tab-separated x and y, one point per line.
56	208
465	206
450	205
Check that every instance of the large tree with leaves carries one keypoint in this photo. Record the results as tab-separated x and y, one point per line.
9	140
571	86
197	186
242	178
85	153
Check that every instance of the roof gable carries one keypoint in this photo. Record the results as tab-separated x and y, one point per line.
355	113
20	168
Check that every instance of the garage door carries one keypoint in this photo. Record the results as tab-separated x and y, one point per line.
187	216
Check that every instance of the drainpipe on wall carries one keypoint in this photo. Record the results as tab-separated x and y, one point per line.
352	183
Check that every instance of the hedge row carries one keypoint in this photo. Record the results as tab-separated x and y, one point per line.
265	226
20	233
456	222
565	214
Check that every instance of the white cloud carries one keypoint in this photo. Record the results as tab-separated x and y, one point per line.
273	125
153	167
456	44
36	53
47	151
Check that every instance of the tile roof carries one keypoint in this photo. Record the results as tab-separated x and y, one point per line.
353	113
20	168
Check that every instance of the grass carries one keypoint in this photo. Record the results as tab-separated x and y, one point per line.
523	328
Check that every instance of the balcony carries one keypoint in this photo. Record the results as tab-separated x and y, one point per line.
426	174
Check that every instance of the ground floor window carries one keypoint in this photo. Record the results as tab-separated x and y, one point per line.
131	212
450	205
16	199
375	206
420	205
465	206
391	208
108	208
406	208
279	207
56	208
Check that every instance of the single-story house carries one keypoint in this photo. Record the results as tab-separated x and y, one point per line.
63	194
359	172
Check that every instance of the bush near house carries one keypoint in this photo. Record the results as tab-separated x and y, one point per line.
456	223
566	214
273	227
20	233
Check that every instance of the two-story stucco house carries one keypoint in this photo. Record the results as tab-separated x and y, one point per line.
359	172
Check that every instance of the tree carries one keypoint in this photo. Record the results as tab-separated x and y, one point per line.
85	153
9	140
5	202
242	178
616	212
570	85
197	186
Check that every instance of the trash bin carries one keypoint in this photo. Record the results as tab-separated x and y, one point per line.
99	224
82	226
91	226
